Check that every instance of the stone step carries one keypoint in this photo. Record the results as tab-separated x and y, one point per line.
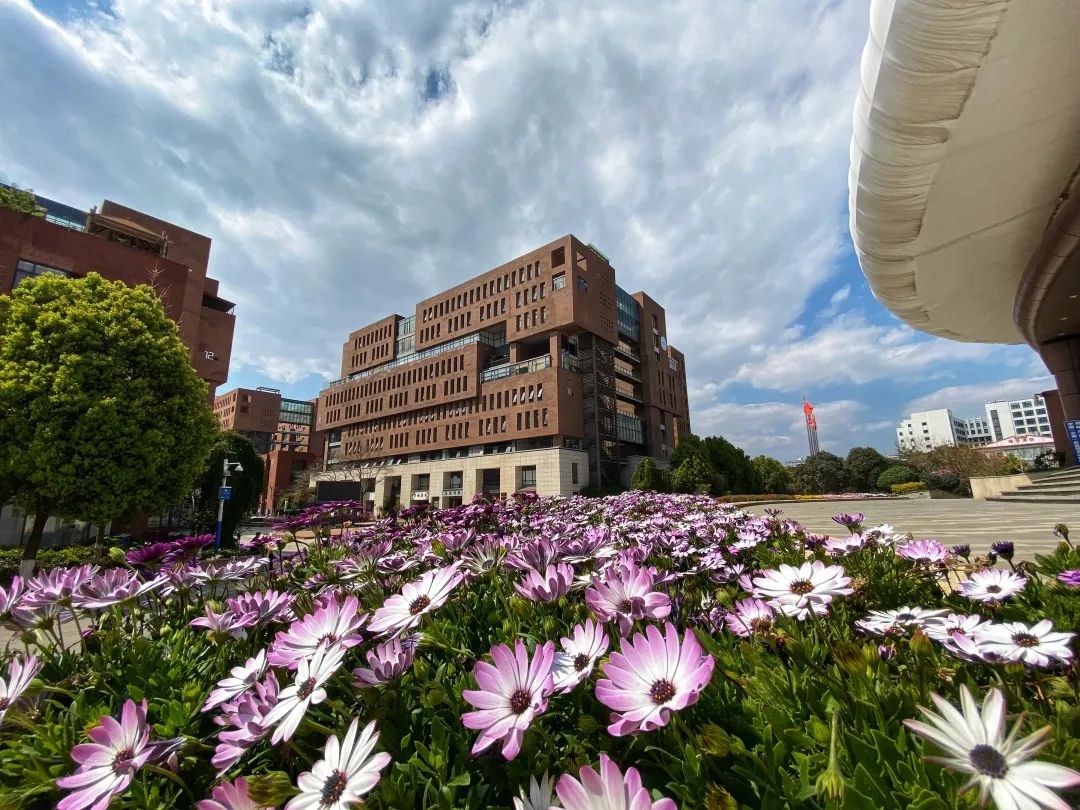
1036	497
1051	489
1070	474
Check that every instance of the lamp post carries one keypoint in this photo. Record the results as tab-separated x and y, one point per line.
224	494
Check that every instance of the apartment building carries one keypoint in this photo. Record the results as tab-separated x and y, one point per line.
541	374
122	244
1004	419
282	430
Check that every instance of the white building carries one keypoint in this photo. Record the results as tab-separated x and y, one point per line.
1018	417
925	430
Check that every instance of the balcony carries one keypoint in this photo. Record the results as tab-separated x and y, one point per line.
452	492
626	351
420	495
527	367
628	394
627	372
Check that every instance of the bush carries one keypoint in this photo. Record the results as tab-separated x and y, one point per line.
821	473
54	558
897	474
910	486
945	480
693	475
645	477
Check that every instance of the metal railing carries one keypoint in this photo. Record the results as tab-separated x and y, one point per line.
452	492
485	338
513	369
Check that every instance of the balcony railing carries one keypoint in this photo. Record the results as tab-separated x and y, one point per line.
527	367
627	372
452	492
627	352
420	495
486	338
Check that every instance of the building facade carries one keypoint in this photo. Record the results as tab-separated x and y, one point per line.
541	374
122	244
1018	417
925	430
282	430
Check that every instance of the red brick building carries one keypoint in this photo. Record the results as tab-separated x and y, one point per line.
541	374
282	430
122	244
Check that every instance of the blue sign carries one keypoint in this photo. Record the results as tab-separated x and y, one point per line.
225	494
1072	427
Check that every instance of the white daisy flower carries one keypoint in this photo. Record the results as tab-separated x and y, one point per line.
975	743
579	655
405	610
344	774
992	585
1036	646
306	690
800	591
898	622
541	795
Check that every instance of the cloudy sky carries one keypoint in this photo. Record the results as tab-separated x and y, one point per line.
349	158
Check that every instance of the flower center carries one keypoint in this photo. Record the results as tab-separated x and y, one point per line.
801	587
581	661
993	589
519	701
4	703
419	604
760	625
329	638
306	688
662	691
121	760
1025	640
988	760
625	606
334	787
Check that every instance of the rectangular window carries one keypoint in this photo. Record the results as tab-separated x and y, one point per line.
26	269
573	473
558	282
582	284
528	476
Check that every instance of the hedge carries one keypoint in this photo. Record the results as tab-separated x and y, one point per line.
910	486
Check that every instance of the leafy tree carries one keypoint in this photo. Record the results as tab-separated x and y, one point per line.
645	475
101	414
688	445
693	475
247	486
774	476
20	200
862	468
733	467
821	473
962	461
897	474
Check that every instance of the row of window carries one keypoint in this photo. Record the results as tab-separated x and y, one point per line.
480	292
27	269
528	320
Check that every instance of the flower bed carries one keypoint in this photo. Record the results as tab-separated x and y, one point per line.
628	652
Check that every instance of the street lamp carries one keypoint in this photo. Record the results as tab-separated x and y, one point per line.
224	494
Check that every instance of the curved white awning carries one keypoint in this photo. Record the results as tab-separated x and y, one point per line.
966	135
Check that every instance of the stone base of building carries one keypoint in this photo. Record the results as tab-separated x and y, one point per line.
455	481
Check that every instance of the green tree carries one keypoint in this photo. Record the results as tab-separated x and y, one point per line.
862	468
821	473
689	445
775	477
734	470
20	200
896	474
247	485
101	414
693	475
645	475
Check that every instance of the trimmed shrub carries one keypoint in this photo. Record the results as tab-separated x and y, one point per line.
897	474
910	486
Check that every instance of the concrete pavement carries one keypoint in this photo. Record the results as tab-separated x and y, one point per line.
952	521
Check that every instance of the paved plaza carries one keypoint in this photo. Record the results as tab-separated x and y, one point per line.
978	523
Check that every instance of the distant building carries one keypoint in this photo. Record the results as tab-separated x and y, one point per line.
122	244
925	430
1018	417
1024	447
282	430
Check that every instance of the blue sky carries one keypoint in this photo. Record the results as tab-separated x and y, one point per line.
351	159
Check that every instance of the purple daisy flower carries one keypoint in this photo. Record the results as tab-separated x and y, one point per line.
386	661
651	676
548	586
1070	578
751	617
512	693
333	624
578	655
231	796
404	611
608	789
627	595
241	679
924	552
20	674
245	723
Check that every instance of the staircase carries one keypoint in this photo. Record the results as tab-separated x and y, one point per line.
1058	487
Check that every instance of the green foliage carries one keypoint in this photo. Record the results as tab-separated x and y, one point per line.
21	200
732	470
247	486
862	468
1013	464
896	474
693	475
53	558
910	486
101	414
774	476
646	476
821	473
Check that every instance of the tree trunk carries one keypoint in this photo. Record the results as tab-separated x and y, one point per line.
33	542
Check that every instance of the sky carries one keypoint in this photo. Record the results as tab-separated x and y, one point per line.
349	159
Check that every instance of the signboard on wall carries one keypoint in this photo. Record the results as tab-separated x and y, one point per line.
1072	428
338	491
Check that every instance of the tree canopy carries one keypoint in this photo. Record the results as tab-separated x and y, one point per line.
821	473
247	485
20	200
101	414
693	475
863	467
775	478
732	470
645	477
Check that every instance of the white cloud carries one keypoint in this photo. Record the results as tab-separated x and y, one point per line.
852	350
778	429
968	400
840	296
703	149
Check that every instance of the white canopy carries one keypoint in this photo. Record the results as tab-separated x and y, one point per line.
966	136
